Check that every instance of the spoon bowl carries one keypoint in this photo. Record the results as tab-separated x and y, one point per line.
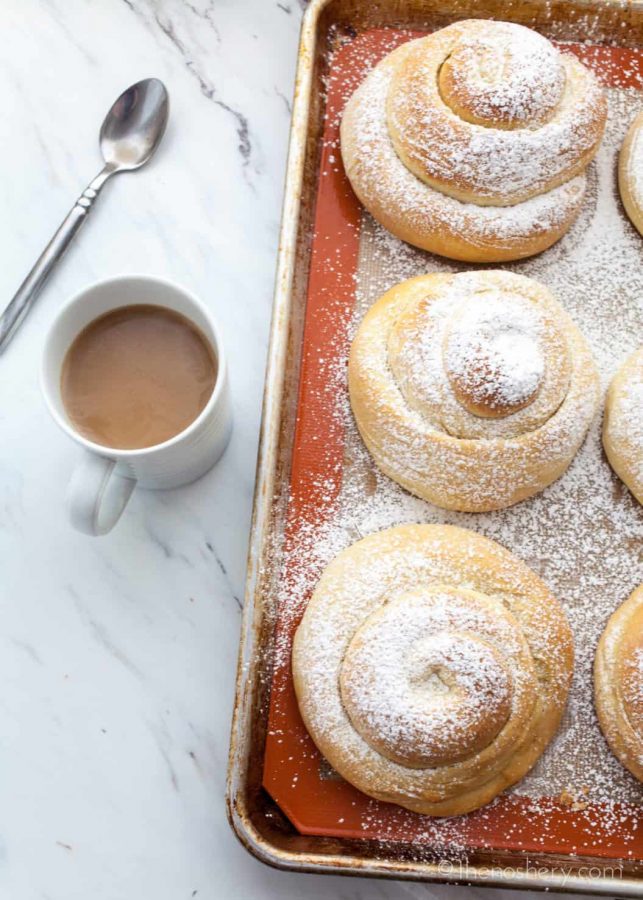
135	124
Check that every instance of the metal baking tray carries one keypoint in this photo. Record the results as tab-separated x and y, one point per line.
258	821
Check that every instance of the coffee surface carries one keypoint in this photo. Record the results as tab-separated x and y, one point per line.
137	376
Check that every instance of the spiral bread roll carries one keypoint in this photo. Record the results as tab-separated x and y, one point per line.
473	391
630	173
618	683
473	142
431	667
623	423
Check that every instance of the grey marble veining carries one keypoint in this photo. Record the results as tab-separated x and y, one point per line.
118	654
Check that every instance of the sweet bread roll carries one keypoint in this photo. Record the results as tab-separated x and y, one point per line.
623	423
473	391
431	667
618	683
472	142
630	173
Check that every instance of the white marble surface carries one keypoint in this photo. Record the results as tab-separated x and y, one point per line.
118	654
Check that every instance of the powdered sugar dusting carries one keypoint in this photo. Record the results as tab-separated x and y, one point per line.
412	602
428	679
491	165
627	422
635	165
582	535
417	415
494	352
510	75
379	171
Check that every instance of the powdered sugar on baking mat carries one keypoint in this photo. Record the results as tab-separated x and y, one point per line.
583	535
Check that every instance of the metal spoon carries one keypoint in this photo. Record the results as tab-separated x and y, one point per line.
130	134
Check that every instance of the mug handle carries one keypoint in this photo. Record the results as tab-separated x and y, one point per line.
97	496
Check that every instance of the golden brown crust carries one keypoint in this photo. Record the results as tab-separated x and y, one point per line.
630	173
618	683
623	423
415	425
431	667
437	178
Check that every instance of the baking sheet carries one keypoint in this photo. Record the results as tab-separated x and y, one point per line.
583	535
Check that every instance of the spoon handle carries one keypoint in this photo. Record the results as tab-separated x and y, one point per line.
26	294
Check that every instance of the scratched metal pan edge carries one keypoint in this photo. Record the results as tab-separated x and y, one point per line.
256	820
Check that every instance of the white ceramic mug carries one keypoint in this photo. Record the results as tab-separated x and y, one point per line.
105	478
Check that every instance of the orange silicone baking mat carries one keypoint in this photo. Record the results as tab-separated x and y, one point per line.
315	799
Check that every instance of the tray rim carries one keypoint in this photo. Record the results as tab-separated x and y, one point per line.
238	812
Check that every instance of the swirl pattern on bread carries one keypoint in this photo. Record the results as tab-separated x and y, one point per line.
473	141
473	391
431	667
